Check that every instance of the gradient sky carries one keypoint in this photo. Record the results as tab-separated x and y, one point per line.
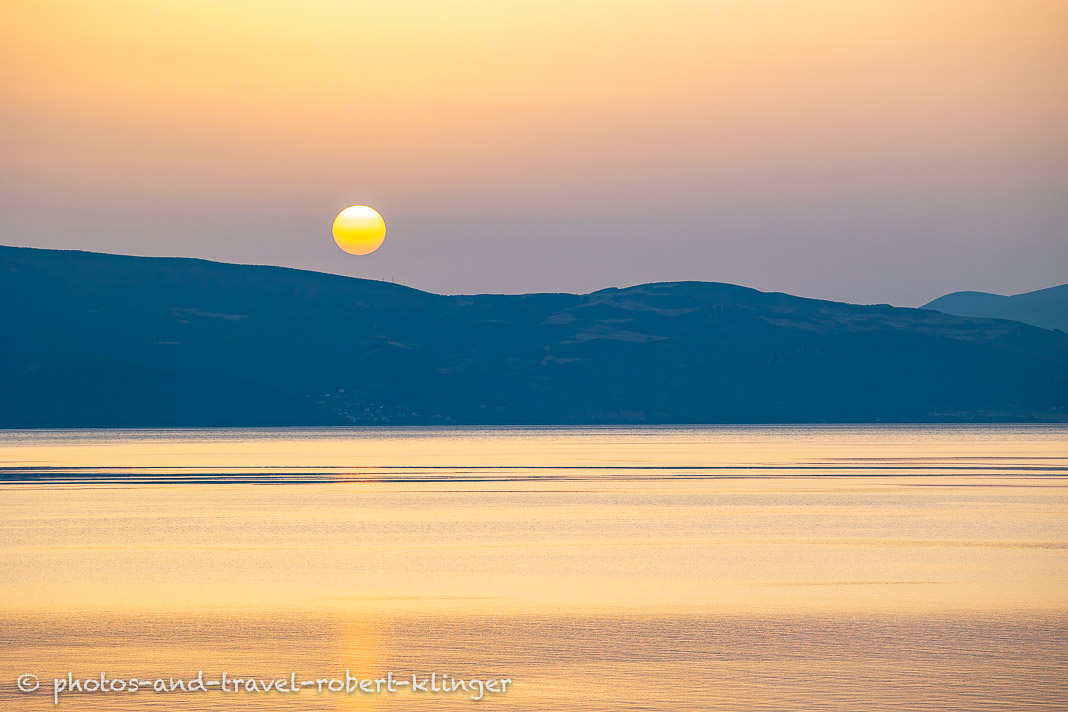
853	150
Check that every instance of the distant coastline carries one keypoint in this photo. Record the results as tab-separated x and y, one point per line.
100	340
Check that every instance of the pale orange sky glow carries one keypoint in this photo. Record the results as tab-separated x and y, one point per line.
864	151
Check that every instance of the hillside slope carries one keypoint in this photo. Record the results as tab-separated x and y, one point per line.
95	340
1047	308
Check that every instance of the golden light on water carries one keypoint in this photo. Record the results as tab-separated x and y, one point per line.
754	568
753	521
359	230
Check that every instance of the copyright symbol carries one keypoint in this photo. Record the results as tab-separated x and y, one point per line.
28	682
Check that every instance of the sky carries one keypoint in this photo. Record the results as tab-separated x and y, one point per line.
856	150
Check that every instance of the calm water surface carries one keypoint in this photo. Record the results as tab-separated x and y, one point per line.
746	568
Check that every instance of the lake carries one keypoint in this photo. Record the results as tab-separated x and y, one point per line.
680	568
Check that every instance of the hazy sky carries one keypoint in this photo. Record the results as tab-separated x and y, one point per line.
854	150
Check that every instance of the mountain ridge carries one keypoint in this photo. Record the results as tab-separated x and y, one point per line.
111	340
1046	308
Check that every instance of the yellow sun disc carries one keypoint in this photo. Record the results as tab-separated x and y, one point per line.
359	230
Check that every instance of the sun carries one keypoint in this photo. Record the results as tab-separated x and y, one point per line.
359	230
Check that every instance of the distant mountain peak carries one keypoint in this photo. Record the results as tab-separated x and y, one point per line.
1047	308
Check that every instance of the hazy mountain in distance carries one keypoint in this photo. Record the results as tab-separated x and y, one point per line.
95	340
1047	308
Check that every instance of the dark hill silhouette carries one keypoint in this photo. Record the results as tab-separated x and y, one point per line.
103	340
1047	308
